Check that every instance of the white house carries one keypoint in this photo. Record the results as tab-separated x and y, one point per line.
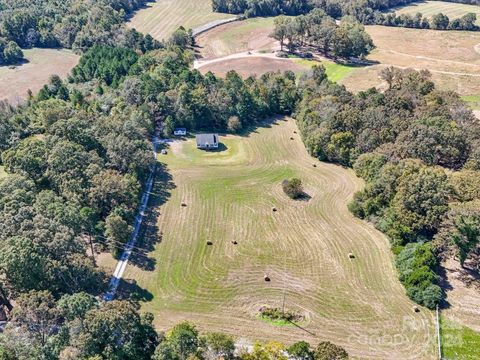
180	132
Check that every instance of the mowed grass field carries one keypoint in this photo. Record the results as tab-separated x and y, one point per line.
247	35
162	17
40	65
459	342
430	8
453	57
303	247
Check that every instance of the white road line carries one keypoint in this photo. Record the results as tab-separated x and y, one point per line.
123	262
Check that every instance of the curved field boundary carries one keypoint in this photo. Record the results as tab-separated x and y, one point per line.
303	247
211	25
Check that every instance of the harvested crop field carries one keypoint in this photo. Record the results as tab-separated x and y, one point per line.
162	17
430	8
42	63
453	57
303	247
247	35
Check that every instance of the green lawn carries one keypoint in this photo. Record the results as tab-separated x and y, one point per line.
335	72
430	8
473	101
459	342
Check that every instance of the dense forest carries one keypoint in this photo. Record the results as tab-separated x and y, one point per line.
418	149
367	12
71	24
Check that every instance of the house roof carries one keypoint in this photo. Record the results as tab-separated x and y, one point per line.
203	139
180	129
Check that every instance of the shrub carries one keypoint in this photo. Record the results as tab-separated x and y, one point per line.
293	188
328	351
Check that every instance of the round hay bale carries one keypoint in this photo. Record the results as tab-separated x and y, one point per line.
266	278
292	138
294	132
234	242
274	209
184	205
314	165
351	256
209	242
416	309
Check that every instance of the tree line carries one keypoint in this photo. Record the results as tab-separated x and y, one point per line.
320	31
71	24
367	12
417	148
77	326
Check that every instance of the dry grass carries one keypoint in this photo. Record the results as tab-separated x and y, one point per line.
248	35
42	63
303	247
162	17
430	8
254	66
449	55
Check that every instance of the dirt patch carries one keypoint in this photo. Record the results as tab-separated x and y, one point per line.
252	66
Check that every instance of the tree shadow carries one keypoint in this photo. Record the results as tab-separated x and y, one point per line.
303	197
221	147
150	234
129	290
15	64
445	286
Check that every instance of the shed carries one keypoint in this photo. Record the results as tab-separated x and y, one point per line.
207	141
180	132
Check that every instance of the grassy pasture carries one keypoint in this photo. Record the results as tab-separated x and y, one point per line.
162	17
459	342
239	36
303	247
430	8
40	65
453	57
473	101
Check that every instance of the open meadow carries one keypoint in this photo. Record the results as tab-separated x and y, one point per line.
228	196
33	74
162	17
246	47
430	8
453	57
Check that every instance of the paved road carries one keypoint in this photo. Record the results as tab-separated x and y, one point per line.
213	24
123	262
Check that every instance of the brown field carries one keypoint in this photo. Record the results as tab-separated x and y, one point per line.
453	57
248	35
255	65
42	63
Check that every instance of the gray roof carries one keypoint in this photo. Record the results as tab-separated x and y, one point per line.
203	139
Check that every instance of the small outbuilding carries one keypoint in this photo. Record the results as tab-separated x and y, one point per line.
180	132
207	141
